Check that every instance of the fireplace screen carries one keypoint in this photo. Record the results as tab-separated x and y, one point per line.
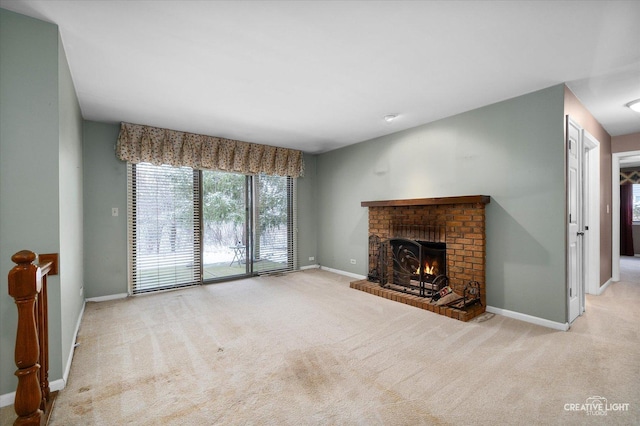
407	265
417	260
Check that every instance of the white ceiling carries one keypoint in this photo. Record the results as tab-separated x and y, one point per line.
318	75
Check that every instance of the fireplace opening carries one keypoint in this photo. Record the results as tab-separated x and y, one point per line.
417	267
417	260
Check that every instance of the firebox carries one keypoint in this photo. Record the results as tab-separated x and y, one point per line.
417	260
413	266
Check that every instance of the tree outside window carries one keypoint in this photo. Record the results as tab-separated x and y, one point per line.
636	202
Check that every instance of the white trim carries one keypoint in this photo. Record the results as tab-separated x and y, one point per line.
528	318
57	385
604	286
615	211
348	274
316	266
593	235
107	298
7	399
65	375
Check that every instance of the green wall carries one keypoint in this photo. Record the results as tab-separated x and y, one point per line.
71	212
40	126
512	151
307	213
105	236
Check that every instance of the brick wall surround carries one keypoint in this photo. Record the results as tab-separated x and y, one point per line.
464	219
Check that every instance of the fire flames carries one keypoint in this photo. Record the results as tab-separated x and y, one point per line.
428	270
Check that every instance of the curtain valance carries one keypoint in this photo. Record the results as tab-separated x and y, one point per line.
145	144
629	177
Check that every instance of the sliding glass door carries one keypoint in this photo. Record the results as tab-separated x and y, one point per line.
187	227
273	223
247	224
224	225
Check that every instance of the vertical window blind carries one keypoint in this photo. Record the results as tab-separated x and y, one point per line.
164	227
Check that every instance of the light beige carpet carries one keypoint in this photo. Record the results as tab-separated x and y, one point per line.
305	349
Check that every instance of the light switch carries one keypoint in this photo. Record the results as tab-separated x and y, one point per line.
114	211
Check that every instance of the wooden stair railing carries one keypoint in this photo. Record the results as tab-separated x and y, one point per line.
28	287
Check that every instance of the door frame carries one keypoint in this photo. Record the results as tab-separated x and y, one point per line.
592	205
589	224
615	211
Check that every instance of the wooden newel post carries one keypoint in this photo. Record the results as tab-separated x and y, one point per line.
25	283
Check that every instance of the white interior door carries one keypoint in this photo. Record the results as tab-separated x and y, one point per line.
575	232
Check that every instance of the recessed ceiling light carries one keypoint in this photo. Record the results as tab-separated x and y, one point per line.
634	105
390	117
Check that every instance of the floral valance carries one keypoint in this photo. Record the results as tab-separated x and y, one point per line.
629	177
145	144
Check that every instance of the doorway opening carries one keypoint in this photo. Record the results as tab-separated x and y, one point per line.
618	158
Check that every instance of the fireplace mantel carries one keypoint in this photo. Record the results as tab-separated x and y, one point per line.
467	199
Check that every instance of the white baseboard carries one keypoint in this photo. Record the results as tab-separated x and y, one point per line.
65	375
57	385
7	399
304	268
348	274
107	298
528	318
604	286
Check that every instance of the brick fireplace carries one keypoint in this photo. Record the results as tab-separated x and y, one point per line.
457	223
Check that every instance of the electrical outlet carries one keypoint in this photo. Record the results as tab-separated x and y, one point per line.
114	211
312	258
353	261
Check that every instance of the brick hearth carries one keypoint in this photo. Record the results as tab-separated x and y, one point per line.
417	301
464	221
